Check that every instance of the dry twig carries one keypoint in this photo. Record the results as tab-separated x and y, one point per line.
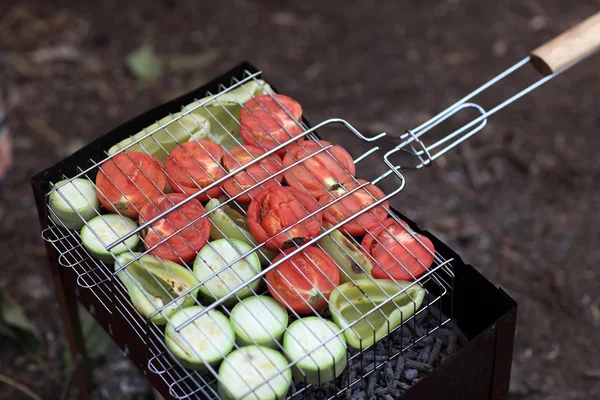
18	386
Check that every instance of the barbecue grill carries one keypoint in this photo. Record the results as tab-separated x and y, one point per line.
442	331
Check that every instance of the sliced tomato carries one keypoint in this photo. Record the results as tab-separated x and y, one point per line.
181	247
194	165
352	204
265	121
279	207
304	282
321	172
242	155
390	245
126	182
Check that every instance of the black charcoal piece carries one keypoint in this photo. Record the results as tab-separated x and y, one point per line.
420	331
357	395
435	351
388	373
372	381
399	368
414	381
369	367
371	356
388	397
424	356
402	385
411	374
421	366
451	342
382	390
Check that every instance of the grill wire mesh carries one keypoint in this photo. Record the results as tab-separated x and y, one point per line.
202	328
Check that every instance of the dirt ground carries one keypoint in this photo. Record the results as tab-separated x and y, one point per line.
520	201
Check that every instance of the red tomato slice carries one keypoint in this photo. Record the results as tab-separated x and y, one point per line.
266	124
126	182
242	155
352	204
321	172
305	280
182	247
194	165
279	207
392	250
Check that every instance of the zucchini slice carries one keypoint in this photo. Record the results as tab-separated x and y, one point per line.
222	253
108	228
260	320
152	282
323	364
228	222
254	373
205	341
81	194
350	302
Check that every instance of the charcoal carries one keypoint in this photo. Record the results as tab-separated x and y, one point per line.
427	340
382	391
411	374
399	368
358	396
371	356
369	367
402	385
424	356
418	365
388	397
389	374
414	381
435	351
372	381
420	331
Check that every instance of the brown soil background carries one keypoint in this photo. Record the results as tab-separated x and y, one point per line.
520	201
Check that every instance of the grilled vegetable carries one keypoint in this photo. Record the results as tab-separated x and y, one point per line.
222	253
353	262
350	302
259	320
103	230
77	196
396	253
320	172
222	111
160	143
328	359
205	341
126	182
266	123
254	373
304	281
152	283
280	207
228	222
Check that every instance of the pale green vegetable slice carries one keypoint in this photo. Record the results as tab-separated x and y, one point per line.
103	230
227	222
260	320
160	143
76	196
353	263
326	349
350	302
152	282
221	255
205	341
254	373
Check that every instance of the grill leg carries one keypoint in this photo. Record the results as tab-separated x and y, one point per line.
67	299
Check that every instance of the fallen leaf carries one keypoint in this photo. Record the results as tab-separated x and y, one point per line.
15	326
143	63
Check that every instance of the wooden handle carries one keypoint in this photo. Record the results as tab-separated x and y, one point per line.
576	43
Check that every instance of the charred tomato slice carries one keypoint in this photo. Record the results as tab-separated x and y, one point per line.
242	155
181	247
351	204
194	165
126	181
304	281
279	207
318	173
395	253
265	121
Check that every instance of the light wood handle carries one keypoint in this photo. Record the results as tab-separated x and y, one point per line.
576	43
